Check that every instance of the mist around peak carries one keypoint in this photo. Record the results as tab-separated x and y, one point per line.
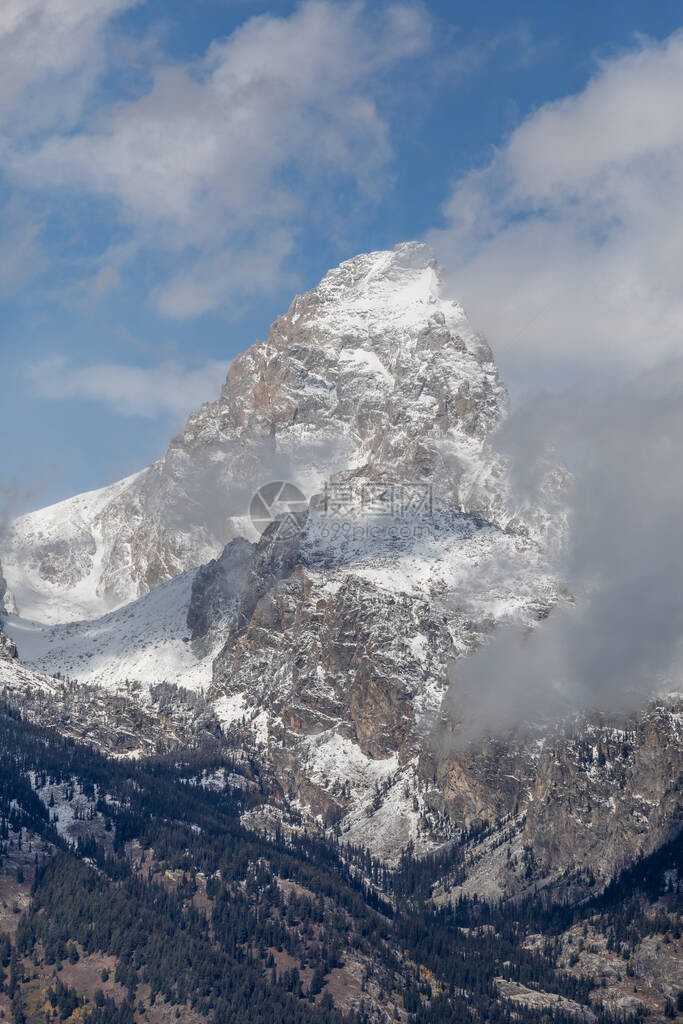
615	639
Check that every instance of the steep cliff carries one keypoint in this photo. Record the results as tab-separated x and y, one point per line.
372	373
8	649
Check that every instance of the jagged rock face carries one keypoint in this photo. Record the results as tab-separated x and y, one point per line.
339	652
338	657
320	658
584	797
8	649
326	638
609	792
483	784
216	591
3	591
372	374
124	724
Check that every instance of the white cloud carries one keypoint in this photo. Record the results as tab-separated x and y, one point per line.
619	640
581	206
214	280
51	52
130	390
106	279
250	141
21	253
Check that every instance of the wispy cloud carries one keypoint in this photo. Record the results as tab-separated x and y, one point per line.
618	640
582	205
51	54
227	277
21	251
130	390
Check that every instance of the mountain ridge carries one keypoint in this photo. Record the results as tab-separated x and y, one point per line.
368	369
327	650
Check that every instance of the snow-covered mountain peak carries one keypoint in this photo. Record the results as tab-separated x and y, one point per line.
372	374
402	285
328	653
390	292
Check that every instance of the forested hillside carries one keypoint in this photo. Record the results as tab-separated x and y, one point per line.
128	895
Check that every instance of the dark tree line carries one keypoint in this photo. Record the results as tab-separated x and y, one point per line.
441	963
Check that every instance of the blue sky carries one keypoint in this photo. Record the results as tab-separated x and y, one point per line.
199	163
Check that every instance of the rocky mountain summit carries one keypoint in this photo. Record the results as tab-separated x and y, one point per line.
372	373
324	645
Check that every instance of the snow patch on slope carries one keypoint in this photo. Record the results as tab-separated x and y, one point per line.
53	558
368	362
147	641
